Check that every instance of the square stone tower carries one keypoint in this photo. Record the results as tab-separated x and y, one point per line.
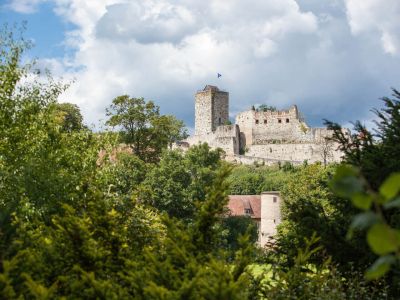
211	109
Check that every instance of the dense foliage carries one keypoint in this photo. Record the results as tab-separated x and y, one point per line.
253	179
310	206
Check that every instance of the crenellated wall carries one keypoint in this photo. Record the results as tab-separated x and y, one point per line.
260	127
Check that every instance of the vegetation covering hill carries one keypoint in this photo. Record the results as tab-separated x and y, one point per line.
148	223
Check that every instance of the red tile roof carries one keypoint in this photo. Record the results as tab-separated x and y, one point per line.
239	203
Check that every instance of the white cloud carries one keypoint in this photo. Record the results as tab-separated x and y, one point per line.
24	6
147	22
167	48
282	52
367	16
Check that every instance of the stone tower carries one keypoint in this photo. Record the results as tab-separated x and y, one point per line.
270	215
211	110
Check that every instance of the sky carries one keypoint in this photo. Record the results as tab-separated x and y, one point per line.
334	59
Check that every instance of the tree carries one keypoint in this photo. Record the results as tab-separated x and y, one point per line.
143	128
376	152
265	107
310	206
69	116
325	148
180	180
371	181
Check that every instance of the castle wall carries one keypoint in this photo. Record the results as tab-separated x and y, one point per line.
296	152
260	127
225	137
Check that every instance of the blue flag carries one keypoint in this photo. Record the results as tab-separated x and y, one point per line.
219	75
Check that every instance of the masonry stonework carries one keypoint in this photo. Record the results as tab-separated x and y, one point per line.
259	136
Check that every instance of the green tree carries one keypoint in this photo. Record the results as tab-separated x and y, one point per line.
180	180
253	180
69	116
236	226
375	153
143	128
265	107
310	206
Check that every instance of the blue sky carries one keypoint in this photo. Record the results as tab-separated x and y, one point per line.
332	58
44	27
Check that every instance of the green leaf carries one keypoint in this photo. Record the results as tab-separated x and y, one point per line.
364	220
345	171
362	201
391	187
382	239
345	182
361	222
393	204
380	267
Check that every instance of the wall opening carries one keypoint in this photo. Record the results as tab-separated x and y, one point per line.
265	121
275	199
219	121
279	121
257	121
287	120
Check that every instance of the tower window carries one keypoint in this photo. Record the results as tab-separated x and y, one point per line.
279	121
287	120
257	121
265	121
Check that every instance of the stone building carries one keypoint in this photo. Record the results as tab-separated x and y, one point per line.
264	209
258	136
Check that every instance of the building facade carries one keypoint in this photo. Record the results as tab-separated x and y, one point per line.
264	209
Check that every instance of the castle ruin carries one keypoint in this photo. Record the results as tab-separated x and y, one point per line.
264	136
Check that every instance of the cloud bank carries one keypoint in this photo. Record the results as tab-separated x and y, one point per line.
332	60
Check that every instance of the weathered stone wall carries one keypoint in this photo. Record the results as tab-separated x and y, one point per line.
220	108
260	127
225	137
211	109
296	152
203	113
